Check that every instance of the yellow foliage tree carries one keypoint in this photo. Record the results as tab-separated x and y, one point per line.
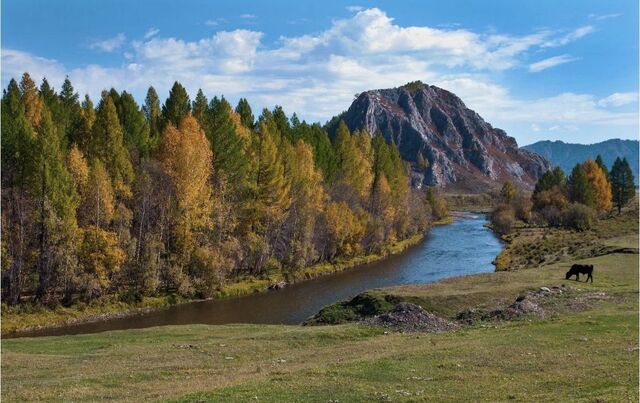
187	160
78	168
345	228
600	185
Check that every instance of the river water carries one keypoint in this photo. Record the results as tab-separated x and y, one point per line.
461	248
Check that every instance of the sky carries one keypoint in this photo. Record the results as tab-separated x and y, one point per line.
541	70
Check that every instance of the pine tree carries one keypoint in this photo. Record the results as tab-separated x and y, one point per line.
134	125
151	111
18	139
201	110
580	190
246	115
177	106
70	111
622	183
229	157
602	166
56	198
107	145
31	100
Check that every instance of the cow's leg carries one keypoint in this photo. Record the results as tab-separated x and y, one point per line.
577	276
590	277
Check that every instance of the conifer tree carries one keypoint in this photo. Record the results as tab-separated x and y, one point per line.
187	160
177	106
31	100
602	166
580	190
152	112
107	145
56	198
622	183
229	159
135	128
201	110
600	185
246	115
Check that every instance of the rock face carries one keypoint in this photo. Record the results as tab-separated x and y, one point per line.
460	149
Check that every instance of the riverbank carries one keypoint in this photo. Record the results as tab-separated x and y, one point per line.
26	318
590	330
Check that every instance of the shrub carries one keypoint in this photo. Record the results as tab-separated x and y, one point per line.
551	215
578	217
503	218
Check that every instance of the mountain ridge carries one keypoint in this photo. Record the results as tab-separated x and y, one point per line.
567	155
460	148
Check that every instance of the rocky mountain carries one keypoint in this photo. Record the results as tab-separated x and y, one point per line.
458	147
567	155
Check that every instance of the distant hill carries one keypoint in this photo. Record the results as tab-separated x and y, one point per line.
567	155
457	147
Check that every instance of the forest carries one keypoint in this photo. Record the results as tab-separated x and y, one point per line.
589	193
132	200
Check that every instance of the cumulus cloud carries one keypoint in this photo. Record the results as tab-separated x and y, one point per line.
317	74
619	99
551	62
109	45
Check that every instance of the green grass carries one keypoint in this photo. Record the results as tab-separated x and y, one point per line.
524	360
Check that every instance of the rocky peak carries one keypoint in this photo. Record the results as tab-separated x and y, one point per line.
461	149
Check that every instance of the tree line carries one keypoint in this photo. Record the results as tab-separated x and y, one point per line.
181	197
574	202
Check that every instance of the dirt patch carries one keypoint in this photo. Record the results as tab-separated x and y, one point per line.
407	317
543	303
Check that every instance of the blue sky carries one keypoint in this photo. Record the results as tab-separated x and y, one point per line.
563	70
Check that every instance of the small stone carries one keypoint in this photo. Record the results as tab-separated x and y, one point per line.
545	289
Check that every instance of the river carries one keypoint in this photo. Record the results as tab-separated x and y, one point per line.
461	248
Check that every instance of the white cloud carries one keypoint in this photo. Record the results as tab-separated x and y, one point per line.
619	99
601	17
109	45
354	9
551	62
316	75
569	37
248	16
151	33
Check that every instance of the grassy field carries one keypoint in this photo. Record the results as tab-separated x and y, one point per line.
590	354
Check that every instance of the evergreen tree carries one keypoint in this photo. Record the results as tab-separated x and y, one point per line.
602	166
107	145
31	100
177	106
70	111
580	190
57	201
246	115
151	111
135	128
229	158
622	183
201	110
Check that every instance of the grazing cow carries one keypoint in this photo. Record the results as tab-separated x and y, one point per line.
578	269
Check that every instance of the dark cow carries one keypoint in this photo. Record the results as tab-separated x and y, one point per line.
578	269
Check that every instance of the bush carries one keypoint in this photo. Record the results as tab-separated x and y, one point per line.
551	215
578	217
523	206
503	218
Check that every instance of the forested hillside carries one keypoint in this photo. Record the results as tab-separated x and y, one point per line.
181	197
567	155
